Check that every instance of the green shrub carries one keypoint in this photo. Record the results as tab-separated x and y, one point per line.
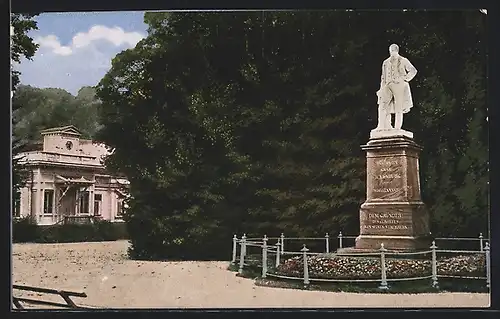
25	230
120	230
76	233
47	234
105	230
156	237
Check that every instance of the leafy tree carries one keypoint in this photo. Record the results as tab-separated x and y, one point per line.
176	165
22	46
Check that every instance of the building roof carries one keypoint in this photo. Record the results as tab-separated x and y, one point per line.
68	130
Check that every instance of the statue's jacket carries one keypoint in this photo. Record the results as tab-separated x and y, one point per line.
398	70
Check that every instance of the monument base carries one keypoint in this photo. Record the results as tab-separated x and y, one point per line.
353	251
398	225
393	213
393	243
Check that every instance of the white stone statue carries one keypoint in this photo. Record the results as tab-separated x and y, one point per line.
394	96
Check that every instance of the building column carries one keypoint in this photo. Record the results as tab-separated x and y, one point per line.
55	209
91	199
77	201
32	199
114	204
39	197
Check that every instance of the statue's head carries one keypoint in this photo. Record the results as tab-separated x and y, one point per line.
393	49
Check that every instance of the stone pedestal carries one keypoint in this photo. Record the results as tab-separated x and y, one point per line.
393	213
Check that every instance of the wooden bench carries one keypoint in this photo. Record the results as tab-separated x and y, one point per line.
65	295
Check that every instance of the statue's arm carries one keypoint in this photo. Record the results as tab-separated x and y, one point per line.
412	71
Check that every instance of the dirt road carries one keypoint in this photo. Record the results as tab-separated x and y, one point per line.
110	280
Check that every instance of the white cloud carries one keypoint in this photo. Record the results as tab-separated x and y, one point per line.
116	36
81	62
52	42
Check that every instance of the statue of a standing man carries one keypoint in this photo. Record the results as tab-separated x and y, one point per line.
394	96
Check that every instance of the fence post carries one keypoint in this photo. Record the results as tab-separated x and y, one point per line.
383	283
242	254
264	257
488	264
434	266
481	242
340	239
235	242
282	237
327	240
244	247
278	253
304	251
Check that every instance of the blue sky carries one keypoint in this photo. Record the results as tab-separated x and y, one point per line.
76	49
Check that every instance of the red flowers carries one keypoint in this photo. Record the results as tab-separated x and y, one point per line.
357	267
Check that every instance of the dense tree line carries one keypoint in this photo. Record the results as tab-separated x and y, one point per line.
252	121
37	109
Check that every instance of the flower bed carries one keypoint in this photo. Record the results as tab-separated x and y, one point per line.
347	267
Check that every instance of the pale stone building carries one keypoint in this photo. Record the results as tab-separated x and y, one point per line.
67	181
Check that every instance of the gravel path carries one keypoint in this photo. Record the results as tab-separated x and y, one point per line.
110	280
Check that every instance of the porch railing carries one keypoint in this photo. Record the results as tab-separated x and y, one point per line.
78	219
